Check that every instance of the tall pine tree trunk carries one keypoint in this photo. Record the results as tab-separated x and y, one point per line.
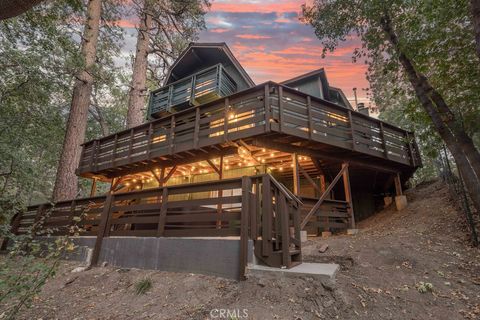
441	118
66	180
136	96
475	6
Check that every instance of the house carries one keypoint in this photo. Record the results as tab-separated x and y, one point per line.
223	157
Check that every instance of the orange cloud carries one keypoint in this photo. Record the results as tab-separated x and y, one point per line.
252	36
219	30
123	23
292	6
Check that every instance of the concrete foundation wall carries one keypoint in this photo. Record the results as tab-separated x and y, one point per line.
210	256
217	257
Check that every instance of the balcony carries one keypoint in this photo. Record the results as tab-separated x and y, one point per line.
270	115
202	87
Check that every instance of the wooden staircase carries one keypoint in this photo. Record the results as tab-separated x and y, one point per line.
277	237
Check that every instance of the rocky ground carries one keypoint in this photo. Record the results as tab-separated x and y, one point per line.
413	264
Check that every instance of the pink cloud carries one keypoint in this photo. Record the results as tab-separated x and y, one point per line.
252	36
219	30
261	7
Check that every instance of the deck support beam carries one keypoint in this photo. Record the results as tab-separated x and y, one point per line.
348	194
265	143
296	176
93	189
398	185
312	182
324	196
400	198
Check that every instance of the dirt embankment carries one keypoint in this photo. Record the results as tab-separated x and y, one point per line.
384	267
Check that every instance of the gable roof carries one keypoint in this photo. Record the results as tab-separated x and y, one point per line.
197	52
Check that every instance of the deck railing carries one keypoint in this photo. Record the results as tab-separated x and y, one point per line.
257	208
204	86
264	108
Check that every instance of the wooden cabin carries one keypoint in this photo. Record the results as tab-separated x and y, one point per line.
221	156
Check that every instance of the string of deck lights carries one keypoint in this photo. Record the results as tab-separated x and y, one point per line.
243	159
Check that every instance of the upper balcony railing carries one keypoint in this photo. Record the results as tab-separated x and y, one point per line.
266	108
202	87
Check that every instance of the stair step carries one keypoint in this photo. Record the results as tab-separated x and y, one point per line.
292	252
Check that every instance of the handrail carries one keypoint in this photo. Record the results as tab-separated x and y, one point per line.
289	194
245	91
327	123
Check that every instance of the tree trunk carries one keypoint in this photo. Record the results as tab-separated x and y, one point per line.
464	141
136	96
421	90
475	4
66	181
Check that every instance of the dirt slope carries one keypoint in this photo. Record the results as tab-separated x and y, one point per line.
381	267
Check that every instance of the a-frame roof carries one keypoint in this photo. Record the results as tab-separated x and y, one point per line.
198	55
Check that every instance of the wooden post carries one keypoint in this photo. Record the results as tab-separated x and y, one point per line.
149	141
93	190
220	194
284	230
280	108
266	216
267	107
323	188
196	130
102	228
244	215
296	176
410	149
130	146
352	130
172	134
348	194
114	151
398	185
163	213
384	142
323	184
225	119
310	118
162	177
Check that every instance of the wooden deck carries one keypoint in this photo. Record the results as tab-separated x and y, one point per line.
262	114
257	208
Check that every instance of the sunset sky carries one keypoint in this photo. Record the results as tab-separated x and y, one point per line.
271	43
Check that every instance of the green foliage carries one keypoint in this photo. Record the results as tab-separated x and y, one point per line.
424	287
176	23
437	35
143	285
27	266
39	55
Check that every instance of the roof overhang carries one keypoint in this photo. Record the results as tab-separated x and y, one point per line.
196	53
